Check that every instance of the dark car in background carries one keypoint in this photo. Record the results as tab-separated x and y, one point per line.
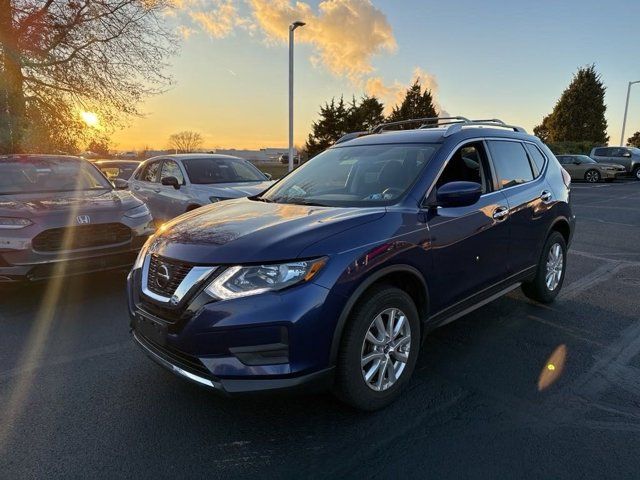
581	167
117	169
628	157
334	275
174	184
60	216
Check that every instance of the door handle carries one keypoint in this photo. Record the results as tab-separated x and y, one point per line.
500	213
157	190
136	188
545	196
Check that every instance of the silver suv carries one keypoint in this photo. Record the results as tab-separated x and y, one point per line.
174	184
628	157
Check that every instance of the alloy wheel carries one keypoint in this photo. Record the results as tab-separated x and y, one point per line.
592	176
555	265
385	349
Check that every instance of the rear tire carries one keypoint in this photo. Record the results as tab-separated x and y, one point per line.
592	176
387	356
547	283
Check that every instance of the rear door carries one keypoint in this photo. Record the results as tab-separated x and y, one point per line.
529	198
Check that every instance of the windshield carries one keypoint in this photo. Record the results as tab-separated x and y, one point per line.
221	170
49	174
357	176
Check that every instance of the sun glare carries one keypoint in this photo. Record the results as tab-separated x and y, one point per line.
90	118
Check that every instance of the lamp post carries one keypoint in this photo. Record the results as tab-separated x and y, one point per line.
626	110
292	27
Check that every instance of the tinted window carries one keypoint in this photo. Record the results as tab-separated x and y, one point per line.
221	170
358	176
511	163
49	174
600	152
171	169
585	159
563	159
536	156
150	173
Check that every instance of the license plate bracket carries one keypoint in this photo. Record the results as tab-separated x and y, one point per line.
151	329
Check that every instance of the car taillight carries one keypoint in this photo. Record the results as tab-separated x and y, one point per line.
566	177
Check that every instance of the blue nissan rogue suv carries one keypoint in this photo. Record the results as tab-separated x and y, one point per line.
334	275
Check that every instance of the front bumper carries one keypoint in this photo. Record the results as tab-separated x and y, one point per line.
269	342
612	174
19	262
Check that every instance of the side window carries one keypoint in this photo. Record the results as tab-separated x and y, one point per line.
536	156
600	152
468	164
511	163
150	173
171	169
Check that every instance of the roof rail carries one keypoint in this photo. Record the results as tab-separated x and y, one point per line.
491	122
350	136
433	121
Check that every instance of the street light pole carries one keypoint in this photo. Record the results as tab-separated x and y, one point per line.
292	27
626	110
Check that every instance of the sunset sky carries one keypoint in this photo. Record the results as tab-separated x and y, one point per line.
491	58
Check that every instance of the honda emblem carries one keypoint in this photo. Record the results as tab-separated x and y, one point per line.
83	219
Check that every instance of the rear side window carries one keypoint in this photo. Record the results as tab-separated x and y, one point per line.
600	152
511	163
536	156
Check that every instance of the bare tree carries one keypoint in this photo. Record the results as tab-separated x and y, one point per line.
58	57
185	142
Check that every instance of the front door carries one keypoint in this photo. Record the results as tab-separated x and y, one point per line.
469	244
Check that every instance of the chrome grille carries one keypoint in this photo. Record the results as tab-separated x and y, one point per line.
165	275
82	236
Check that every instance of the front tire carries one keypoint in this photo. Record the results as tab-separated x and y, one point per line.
636	173
547	283
379	349
592	176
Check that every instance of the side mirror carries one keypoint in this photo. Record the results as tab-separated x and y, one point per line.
171	181
576	162
458	194
120	184
268	175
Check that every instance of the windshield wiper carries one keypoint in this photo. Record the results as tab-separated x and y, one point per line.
301	201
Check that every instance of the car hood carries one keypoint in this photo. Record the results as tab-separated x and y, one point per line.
233	190
41	204
247	231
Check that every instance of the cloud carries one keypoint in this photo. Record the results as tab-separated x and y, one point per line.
218	18
345	34
185	32
394	93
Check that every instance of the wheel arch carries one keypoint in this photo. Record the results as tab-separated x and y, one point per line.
406	277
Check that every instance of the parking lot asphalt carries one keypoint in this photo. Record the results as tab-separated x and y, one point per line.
513	390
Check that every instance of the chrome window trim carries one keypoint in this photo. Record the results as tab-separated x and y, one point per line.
195	276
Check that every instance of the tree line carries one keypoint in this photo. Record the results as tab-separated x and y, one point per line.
576	124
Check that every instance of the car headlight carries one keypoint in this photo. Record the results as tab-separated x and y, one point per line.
137	212
142	254
13	223
236	282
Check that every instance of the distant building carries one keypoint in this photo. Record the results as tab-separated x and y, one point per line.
262	155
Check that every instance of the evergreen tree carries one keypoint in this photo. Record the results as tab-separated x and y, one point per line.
329	128
579	114
364	115
634	140
416	104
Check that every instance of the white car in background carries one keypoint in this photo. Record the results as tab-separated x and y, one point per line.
171	185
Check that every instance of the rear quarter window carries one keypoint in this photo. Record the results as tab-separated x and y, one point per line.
536	156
